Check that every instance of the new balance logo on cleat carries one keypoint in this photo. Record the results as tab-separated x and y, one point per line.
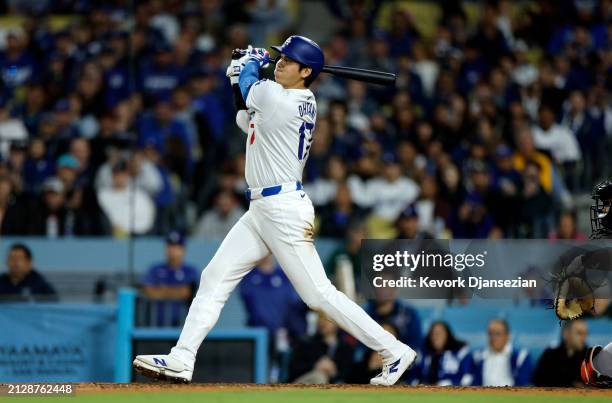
393	367
163	368
160	362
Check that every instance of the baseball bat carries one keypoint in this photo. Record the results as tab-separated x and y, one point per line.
368	76
351	73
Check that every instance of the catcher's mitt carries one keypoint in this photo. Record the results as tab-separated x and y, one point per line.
574	296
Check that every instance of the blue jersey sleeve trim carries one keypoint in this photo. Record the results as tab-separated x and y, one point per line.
248	76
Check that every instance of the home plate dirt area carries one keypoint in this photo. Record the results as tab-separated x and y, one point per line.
154	392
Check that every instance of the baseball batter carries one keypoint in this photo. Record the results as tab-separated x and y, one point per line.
279	124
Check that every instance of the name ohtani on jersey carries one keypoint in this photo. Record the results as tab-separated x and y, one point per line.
309	109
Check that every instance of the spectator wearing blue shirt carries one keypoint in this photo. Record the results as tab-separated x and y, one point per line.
210	115
171	284
471	219
37	166
402	33
507	179
22	282
161	75
168	136
346	142
65	128
501	363
271	301
206	105
387	308
337	216
181	101
117	85
32	108
444	360
17	66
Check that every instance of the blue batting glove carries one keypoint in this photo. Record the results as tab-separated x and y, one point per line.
260	55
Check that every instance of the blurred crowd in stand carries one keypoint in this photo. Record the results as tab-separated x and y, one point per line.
121	120
117	118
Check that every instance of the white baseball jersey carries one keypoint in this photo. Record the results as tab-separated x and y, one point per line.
280	133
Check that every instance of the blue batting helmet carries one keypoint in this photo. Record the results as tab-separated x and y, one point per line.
304	51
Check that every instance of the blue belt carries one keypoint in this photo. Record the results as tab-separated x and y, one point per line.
258	193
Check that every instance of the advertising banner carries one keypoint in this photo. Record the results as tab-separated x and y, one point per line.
56	343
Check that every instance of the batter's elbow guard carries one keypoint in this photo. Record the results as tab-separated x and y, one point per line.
239	102
590	375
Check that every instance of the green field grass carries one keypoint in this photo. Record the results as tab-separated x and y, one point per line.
317	396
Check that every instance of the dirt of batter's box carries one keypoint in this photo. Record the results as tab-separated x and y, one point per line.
96	388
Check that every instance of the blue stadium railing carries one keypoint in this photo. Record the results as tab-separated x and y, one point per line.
127	333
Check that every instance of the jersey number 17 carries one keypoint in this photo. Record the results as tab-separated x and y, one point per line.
305	137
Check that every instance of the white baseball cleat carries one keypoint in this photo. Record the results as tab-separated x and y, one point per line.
162	367
394	368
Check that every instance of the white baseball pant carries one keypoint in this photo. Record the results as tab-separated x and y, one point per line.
282	225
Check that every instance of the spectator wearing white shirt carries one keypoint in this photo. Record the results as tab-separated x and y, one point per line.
559	141
11	130
217	222
524	72
143	172
500	364
165	22
388	195
425	67
128	208
556	139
